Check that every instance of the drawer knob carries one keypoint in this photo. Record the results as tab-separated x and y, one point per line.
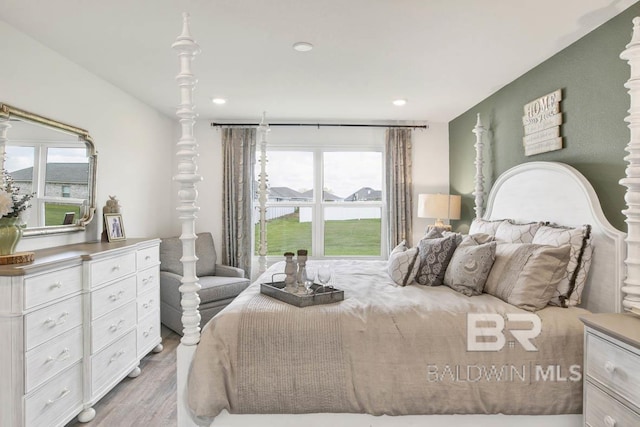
147	258
609	421
147	333
62	394
116	356
116	297
116	326
64	355
56	285
148	304
60	321
116	267
609	367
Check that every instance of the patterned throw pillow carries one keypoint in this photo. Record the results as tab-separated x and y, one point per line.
435	255
470	266
403	264
576	275
527	275
509	232
485	226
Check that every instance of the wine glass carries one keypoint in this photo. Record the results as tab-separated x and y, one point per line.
324	276
308	279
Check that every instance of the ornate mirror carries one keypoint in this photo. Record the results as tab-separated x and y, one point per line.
54	161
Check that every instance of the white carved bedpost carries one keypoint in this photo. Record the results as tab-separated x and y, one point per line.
263	131
478	191
4	127
631	286
187	177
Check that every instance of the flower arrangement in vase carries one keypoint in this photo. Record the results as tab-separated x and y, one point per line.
12	204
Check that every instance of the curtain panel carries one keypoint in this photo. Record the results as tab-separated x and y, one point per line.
239	153
399	186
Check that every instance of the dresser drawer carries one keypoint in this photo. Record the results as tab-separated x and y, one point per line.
111	362
59	397
148	334
50	358
113	296
113	268
148	279
112	325
603	410
47	287
148	303
614	367
148	257
51	321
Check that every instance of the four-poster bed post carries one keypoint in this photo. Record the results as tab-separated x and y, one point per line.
263	131
631	288
478	191
187	176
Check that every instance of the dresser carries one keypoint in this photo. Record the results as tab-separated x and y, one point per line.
612	370
73	324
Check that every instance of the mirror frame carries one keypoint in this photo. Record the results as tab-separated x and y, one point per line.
8	112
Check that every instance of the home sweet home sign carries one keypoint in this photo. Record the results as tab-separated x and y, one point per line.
542	119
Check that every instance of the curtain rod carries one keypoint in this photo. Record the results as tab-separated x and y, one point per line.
318	125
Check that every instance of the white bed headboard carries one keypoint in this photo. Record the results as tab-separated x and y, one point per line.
556	192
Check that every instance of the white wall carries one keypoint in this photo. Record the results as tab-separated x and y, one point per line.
134	141
430	169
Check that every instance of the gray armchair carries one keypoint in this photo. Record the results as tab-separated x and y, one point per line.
220	283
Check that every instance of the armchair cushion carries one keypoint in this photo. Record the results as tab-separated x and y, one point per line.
214	288
171	252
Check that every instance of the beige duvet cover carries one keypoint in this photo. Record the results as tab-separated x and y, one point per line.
386	350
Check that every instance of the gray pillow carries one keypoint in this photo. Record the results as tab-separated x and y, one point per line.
435	255
171	252
527	275
470	266
403	264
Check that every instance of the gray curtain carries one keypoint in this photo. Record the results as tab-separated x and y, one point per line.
399	185
239	153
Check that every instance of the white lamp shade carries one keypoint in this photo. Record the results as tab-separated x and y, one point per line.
439	206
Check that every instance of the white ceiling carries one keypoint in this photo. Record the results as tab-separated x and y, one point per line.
443	56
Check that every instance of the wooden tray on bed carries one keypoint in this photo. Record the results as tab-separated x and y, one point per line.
319	296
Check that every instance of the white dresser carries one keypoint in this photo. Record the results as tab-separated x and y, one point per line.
73	324
612	370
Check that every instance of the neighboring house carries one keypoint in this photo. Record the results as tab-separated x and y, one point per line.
364	194
326	196
61	180
286	194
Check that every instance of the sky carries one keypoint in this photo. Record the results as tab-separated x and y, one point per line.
345	172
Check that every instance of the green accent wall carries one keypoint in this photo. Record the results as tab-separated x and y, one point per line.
594	105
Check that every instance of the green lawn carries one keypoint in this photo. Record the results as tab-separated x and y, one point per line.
348	237
54	213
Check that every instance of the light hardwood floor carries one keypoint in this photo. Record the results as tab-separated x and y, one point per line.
148	400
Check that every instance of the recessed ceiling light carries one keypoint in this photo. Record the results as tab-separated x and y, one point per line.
302	46
399	102
219	101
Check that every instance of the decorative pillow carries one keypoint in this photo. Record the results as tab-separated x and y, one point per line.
459	236
576	275
575	297
403	264
527	275
470	266
435	255
484	226
509	232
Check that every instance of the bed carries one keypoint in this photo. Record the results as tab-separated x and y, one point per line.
359	355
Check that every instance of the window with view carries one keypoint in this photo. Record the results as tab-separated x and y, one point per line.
326	200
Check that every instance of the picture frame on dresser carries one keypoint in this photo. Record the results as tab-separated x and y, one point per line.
114	226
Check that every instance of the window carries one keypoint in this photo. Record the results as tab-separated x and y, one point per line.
57	175
328	200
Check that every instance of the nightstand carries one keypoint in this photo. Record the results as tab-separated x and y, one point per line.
611	370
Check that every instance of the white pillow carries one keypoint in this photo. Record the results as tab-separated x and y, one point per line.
403	264
484	226
508	232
